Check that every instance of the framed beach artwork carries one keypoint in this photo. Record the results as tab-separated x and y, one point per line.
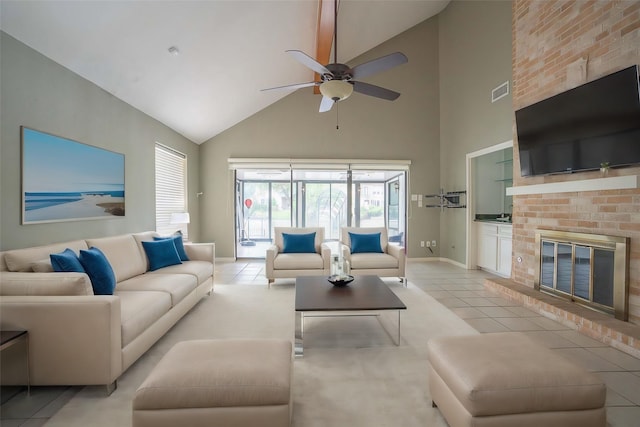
65	180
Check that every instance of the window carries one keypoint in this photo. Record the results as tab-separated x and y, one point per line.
171	189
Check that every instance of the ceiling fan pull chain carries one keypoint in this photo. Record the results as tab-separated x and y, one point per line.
337	111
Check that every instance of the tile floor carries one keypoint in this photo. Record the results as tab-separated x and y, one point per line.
463	293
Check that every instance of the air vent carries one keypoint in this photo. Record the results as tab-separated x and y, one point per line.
500	92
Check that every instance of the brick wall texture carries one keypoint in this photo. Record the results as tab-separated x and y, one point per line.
558	45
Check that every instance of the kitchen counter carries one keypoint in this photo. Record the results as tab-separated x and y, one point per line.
494	221
494	218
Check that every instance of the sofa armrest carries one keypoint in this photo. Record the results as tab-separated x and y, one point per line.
397	252
325	253
201	251
345	251
41	284
73	340
272	252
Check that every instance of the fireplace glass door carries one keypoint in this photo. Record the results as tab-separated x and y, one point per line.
580	272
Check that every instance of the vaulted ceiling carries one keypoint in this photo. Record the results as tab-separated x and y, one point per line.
224	52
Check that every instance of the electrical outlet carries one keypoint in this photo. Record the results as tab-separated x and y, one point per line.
433	243
428	244
422	243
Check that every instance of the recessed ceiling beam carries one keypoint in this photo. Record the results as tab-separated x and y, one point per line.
324	39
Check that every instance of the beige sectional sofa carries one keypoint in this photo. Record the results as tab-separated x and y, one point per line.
78	338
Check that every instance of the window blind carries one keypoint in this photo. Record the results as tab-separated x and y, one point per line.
171	189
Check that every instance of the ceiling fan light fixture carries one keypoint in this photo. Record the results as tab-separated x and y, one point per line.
336	90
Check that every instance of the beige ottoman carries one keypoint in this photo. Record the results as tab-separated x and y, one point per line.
228	383
507	379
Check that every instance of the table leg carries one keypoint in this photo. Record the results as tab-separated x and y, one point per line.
28	366
398	344
299	334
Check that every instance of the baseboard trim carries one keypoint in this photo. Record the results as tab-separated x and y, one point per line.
432	259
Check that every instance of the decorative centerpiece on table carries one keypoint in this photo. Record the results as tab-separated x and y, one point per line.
340	270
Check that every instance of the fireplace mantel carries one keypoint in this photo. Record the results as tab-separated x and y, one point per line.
597	184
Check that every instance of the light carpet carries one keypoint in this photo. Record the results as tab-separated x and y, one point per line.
352	373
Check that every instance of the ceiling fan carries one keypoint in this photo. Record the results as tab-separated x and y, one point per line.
338	81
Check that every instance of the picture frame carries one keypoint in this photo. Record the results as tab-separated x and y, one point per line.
67	180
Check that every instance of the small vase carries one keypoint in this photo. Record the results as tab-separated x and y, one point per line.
604	171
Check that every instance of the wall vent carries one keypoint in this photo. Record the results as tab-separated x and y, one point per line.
500	92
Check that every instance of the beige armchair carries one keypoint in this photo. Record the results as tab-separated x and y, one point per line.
387	263
282	264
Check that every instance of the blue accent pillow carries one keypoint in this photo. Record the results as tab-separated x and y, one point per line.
298	243
161	253
361	243
177	241
96	265
66	260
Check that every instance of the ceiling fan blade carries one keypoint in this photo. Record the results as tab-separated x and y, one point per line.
379	65
294	86
373	90
308	61
326	104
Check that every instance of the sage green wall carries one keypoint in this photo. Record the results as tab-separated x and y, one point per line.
41	94
407	128
475	57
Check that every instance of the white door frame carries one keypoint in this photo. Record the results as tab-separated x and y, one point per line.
471	255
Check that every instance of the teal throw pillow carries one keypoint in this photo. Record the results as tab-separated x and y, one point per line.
361	243
96	265
298	243
177	241
161	253
67	261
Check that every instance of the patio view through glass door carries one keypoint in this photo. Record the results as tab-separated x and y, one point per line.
315	197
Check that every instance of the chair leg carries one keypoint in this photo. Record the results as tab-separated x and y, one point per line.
269	282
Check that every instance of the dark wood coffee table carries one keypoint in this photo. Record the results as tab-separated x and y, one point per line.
366	295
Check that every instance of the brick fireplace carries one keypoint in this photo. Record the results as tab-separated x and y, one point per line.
558	45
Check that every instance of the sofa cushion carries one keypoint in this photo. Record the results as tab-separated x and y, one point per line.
42	266
298	243
202	270
363	243
124	255
99	270
22	259
177	285
373	260
161	253
66	261
298	262
139	310
177	241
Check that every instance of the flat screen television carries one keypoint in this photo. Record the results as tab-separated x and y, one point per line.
582	128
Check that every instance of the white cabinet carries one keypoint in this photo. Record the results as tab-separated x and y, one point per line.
505	233
494	247
488	246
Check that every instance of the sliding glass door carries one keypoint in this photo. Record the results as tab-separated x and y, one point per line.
326	197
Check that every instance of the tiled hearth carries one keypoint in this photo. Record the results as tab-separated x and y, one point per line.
624	336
